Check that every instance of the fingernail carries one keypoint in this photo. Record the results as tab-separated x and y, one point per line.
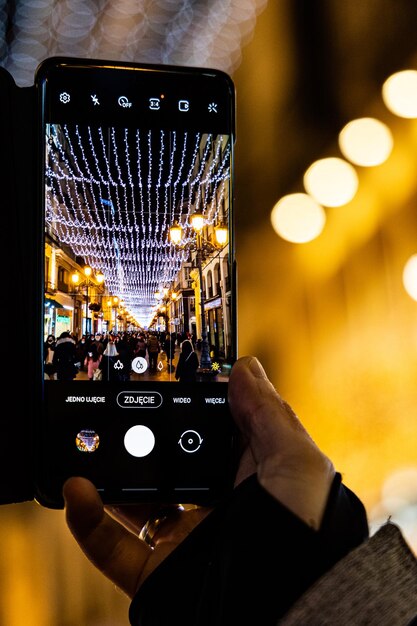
256	368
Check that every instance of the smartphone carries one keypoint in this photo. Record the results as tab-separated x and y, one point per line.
137	289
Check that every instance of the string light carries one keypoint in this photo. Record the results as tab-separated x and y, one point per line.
112	196
208	33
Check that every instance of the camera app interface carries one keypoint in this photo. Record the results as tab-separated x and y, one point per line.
137	244
138	315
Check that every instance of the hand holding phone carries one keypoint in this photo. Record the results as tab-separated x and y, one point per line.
283	485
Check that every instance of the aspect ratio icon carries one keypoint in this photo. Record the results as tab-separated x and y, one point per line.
190	441
124	102
154	104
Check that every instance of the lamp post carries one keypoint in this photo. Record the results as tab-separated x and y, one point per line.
121	315
74	313
166	296
75	279
113	304
110	310
201	246
87	271
197	223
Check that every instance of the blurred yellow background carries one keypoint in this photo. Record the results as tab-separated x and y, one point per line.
329	319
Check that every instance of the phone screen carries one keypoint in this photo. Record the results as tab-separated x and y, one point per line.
138	320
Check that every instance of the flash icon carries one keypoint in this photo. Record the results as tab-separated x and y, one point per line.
95	99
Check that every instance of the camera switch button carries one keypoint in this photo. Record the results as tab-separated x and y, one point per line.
190	441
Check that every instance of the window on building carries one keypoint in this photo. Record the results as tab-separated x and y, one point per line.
216	274
209	284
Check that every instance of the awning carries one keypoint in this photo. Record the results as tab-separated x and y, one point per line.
54	303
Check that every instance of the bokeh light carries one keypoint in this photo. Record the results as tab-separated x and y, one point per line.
399	93
298	218
204	34
410	277
366	141
331	182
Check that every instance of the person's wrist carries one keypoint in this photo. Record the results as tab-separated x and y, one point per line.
301	482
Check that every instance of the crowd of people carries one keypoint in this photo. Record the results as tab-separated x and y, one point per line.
97	354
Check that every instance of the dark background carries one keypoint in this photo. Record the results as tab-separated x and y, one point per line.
330	320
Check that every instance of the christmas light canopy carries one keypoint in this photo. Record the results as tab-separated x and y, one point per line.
114	195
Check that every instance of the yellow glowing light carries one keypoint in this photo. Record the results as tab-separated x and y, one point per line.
221	234
175	233
87	270
366	141
399	93
298	218
331	182
410	277
197	221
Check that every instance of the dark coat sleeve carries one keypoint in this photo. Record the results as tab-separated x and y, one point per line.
248	561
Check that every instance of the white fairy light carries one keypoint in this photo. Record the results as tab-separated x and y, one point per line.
99	204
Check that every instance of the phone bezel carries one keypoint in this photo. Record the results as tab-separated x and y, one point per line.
42	73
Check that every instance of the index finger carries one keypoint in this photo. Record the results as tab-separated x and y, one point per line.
264	418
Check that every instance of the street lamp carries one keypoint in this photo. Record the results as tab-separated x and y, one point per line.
166	296
75	279
87	271
113	303
201	247
121	314
110	309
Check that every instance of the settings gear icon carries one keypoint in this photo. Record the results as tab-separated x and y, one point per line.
64	97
